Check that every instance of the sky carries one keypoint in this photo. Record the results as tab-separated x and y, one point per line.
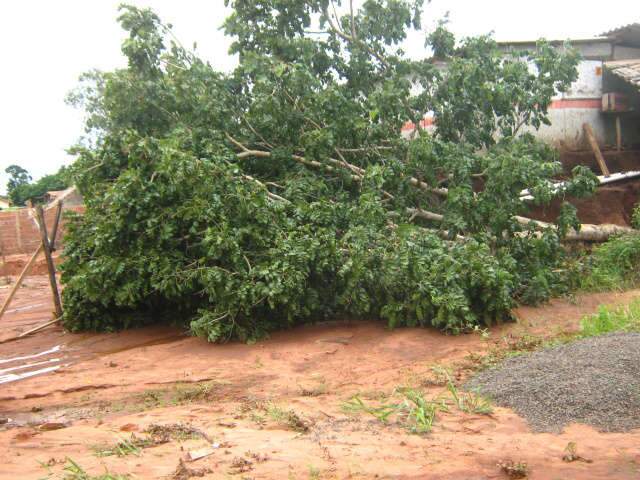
46	45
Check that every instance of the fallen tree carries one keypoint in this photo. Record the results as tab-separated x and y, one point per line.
282	192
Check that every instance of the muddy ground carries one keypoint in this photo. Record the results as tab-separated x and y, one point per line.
275	409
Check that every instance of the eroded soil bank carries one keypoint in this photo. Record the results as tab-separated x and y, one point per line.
274	410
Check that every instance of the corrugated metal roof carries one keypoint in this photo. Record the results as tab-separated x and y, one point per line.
628	70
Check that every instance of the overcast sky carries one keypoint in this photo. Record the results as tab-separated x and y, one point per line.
47	44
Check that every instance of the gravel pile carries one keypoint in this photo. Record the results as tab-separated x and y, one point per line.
595	381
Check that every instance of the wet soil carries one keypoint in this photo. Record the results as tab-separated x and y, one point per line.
108	386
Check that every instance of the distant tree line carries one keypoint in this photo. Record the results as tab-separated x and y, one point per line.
21	186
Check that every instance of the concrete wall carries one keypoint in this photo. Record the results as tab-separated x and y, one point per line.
19	233
570	110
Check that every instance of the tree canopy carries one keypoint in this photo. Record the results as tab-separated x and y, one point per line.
21	188
282	192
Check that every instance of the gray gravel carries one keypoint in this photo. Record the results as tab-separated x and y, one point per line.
594	381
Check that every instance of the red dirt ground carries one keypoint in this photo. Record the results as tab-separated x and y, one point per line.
108	385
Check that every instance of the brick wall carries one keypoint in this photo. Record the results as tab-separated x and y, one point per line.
19	232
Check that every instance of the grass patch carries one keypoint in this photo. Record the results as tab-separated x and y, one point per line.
73	471
187	393
414	411
468	402
612	319
613	265
124	447
287	418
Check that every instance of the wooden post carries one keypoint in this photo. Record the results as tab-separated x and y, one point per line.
30	263
46	247
596	150
618	133
54	229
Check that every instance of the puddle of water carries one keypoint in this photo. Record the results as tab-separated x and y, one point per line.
12	377
29	365
27	357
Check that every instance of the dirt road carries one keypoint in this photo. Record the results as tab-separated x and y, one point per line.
274	409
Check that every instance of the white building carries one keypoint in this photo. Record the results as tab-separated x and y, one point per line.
606	92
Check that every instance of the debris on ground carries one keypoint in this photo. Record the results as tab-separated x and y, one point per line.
185	473
571	454
194	455
240	465
514	469
594	381
175	431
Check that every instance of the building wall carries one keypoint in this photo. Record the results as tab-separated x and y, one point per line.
581	104
19	233
625	53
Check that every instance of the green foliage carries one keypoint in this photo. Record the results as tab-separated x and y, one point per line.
282	193
612	265
20	188
608	319
635	216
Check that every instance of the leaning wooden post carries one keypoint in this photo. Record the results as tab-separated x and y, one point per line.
46	247
596	149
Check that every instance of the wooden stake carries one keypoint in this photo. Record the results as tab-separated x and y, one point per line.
46	247
39	327
30	263
596	150
23	274
618	133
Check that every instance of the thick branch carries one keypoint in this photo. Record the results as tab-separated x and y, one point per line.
588	232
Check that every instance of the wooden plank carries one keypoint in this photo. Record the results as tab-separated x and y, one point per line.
596	149
46	247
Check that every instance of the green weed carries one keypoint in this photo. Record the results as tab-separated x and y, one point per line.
413	411
73	471
287	418
419	413
124	447
613	265
467	402
609	319
186	393
635	216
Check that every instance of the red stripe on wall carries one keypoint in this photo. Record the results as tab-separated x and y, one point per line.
424	123
577	103
590	103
